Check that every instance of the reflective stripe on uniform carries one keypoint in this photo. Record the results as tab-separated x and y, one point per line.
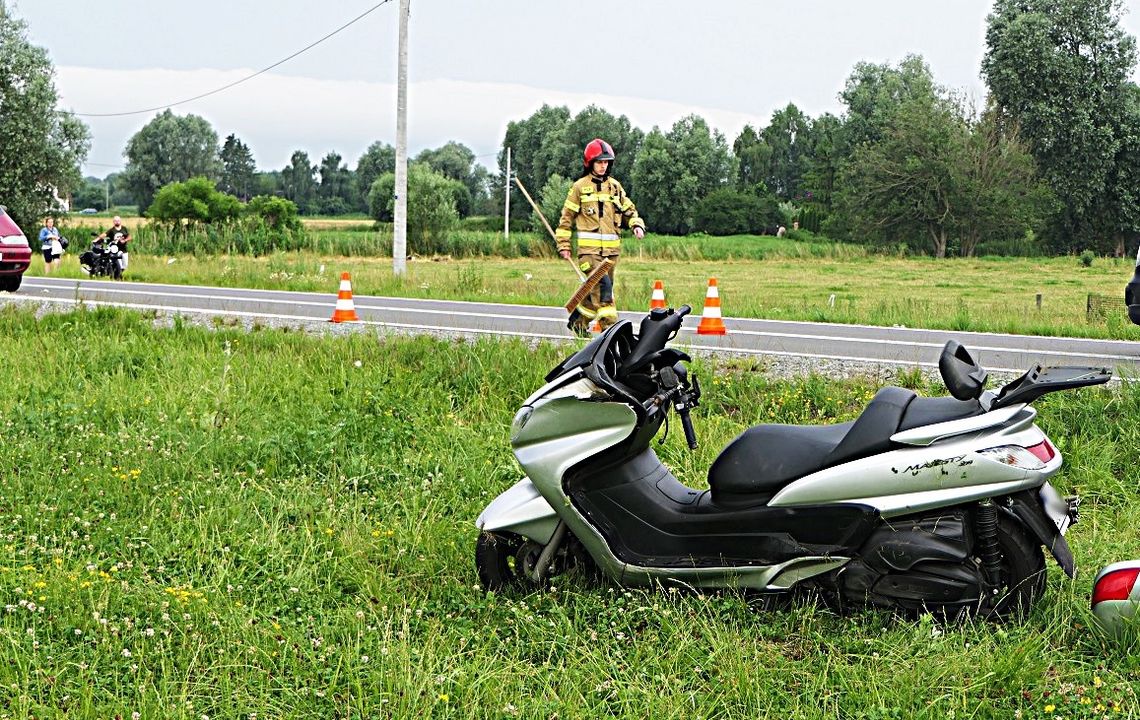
572	206
596	236
603	244
598	197
607	311
626	204
561	233
586	312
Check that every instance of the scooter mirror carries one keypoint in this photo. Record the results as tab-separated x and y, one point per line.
682	373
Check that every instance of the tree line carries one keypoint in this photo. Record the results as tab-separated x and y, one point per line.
1047	162
172	148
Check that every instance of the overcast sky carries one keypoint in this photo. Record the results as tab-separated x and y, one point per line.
476	65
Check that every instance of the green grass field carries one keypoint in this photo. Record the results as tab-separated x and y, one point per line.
215	524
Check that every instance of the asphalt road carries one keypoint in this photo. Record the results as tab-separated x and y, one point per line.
857	343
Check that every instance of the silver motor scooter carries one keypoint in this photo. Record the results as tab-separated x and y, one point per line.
940	504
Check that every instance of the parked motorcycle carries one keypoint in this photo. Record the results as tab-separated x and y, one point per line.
940	504
103	259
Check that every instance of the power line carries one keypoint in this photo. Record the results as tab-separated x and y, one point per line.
237	82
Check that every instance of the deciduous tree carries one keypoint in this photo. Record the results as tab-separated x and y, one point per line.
752	158
1060	69
536	152
41	149
431	204
902	186
940	174
335	191
378	159
873	93
999	194
170	148
457	162
196	201
551	199
595	122
829	150
788	136
674	171
298	181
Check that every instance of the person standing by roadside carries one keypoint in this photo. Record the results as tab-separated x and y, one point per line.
596	208
51	244
119	235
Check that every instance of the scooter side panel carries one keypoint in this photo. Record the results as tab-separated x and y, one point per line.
558	434
520	509
919	478
553	436
928	434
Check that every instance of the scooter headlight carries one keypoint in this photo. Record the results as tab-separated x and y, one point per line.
1014	456
580	389
520	421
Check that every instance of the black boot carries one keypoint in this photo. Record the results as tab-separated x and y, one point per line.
578	325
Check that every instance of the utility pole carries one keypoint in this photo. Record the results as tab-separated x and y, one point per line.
507	201
400	214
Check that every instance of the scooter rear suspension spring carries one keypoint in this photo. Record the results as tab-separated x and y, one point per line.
987	523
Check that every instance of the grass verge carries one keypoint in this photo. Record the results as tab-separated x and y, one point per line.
200	523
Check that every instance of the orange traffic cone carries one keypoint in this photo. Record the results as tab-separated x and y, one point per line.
345	310
658	299
711	322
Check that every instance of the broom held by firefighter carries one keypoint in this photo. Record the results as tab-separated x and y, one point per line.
596	209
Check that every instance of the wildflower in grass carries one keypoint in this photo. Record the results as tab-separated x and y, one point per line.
444	697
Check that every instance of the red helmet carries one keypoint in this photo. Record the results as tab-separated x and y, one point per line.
597	149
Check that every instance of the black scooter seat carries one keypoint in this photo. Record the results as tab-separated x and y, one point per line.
765	458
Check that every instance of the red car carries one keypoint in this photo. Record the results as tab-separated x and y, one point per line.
15	253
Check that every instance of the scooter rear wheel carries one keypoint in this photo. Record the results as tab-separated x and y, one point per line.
1023	573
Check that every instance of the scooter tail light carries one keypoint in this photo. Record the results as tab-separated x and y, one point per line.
1043	450
1014	456
1115	585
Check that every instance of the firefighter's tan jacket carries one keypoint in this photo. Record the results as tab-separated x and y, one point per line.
596	209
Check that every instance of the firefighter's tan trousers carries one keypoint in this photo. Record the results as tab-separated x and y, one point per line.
599	304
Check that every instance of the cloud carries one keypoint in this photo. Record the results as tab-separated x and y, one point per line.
277	114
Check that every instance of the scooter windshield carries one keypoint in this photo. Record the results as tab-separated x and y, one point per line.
595	350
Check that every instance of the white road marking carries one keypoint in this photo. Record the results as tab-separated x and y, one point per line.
365	304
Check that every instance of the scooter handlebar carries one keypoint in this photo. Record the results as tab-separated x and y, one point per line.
687	426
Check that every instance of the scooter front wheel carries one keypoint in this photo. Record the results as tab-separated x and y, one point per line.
497	562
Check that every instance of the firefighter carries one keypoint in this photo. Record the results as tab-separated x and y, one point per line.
596	209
